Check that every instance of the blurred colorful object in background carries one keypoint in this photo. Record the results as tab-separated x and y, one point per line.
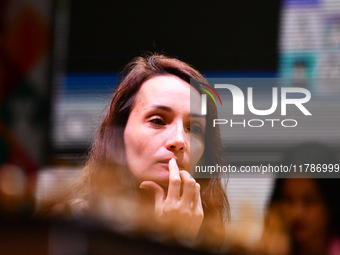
25	43
310	40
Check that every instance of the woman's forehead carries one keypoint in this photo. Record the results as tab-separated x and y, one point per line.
165	83
164	88
168	89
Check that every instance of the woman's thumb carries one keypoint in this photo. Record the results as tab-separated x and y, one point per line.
156	189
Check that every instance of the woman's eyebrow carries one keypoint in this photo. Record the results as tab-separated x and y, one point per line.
195	115
163	107
170	109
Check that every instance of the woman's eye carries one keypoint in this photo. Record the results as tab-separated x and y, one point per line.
195	129
157	122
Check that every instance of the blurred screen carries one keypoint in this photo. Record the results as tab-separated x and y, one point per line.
94	40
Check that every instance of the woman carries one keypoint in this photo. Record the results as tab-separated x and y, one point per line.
303	215
310	211
148	139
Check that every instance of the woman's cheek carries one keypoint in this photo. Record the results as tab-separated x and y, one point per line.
196	150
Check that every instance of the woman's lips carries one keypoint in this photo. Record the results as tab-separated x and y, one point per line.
165	162
298	227
166	165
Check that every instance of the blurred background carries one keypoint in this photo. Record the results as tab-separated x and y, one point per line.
59	61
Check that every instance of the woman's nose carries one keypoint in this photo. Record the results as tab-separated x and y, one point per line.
176	140
297	211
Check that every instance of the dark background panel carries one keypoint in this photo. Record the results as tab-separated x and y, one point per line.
211	35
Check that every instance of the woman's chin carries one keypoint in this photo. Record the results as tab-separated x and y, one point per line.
162	179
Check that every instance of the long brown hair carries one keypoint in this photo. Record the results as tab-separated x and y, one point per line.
108	146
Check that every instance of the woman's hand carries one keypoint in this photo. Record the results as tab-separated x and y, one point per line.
275	239
180	210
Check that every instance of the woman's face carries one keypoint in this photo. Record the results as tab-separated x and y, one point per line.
159	129
304	209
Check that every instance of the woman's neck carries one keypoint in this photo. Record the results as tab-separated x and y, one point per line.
314	246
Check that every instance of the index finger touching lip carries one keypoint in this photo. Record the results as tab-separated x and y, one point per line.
174	179
174	170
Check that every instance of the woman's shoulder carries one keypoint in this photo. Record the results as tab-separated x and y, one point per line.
71	209
79	207
334	246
